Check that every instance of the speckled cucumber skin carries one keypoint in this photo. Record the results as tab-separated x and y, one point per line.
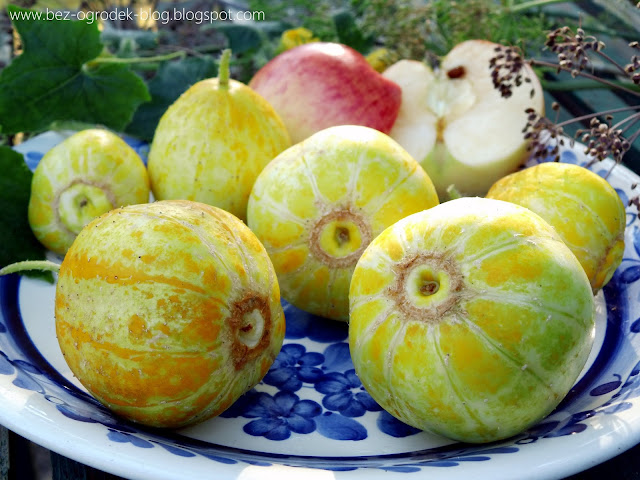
585	210
318	205
86	175
497	346
168	312
211	144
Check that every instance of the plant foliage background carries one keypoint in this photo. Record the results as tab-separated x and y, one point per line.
123	74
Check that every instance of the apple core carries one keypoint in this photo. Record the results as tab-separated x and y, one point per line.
450	97
456	123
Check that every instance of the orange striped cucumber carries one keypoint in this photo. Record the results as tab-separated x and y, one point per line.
168	312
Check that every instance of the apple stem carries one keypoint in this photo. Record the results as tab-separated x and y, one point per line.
223	69
42	265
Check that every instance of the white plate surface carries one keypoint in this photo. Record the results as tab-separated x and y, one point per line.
310	417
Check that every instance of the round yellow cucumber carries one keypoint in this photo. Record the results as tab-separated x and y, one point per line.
583	207
318	204
86	175
213	141
471	320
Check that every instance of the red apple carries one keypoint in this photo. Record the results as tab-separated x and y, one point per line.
319	85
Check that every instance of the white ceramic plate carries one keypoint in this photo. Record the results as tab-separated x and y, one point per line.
310	417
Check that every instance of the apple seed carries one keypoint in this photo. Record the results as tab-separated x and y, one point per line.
456	72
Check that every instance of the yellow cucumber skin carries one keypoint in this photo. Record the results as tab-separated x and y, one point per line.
471	320
583	207
212	143
318	204
84	176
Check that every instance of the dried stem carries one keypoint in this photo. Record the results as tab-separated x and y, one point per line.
575	73
601	139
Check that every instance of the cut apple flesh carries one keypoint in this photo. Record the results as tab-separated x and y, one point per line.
456	124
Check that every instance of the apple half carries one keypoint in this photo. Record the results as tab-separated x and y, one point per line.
456	123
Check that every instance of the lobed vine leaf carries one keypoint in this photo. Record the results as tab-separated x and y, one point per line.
349	33
241	38
17	241
169	82
59	76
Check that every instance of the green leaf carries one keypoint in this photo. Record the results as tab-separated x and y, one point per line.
17	242
169	82
349	33
241	38
57	77
118	39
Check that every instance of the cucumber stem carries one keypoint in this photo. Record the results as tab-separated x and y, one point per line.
43	265
135	60
223	69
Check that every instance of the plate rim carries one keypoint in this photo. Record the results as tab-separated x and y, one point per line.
63	446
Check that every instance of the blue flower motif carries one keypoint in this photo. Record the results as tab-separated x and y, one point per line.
301	324
623	196
630	271
569	156
607	387
125	437
241	405
339	427
344	393
175	450
25	380
83	408
390	425
280	415
337	358
630	274
293	366
636	239
24	373
6	368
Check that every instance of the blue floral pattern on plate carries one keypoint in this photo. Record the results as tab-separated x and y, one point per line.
312	396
